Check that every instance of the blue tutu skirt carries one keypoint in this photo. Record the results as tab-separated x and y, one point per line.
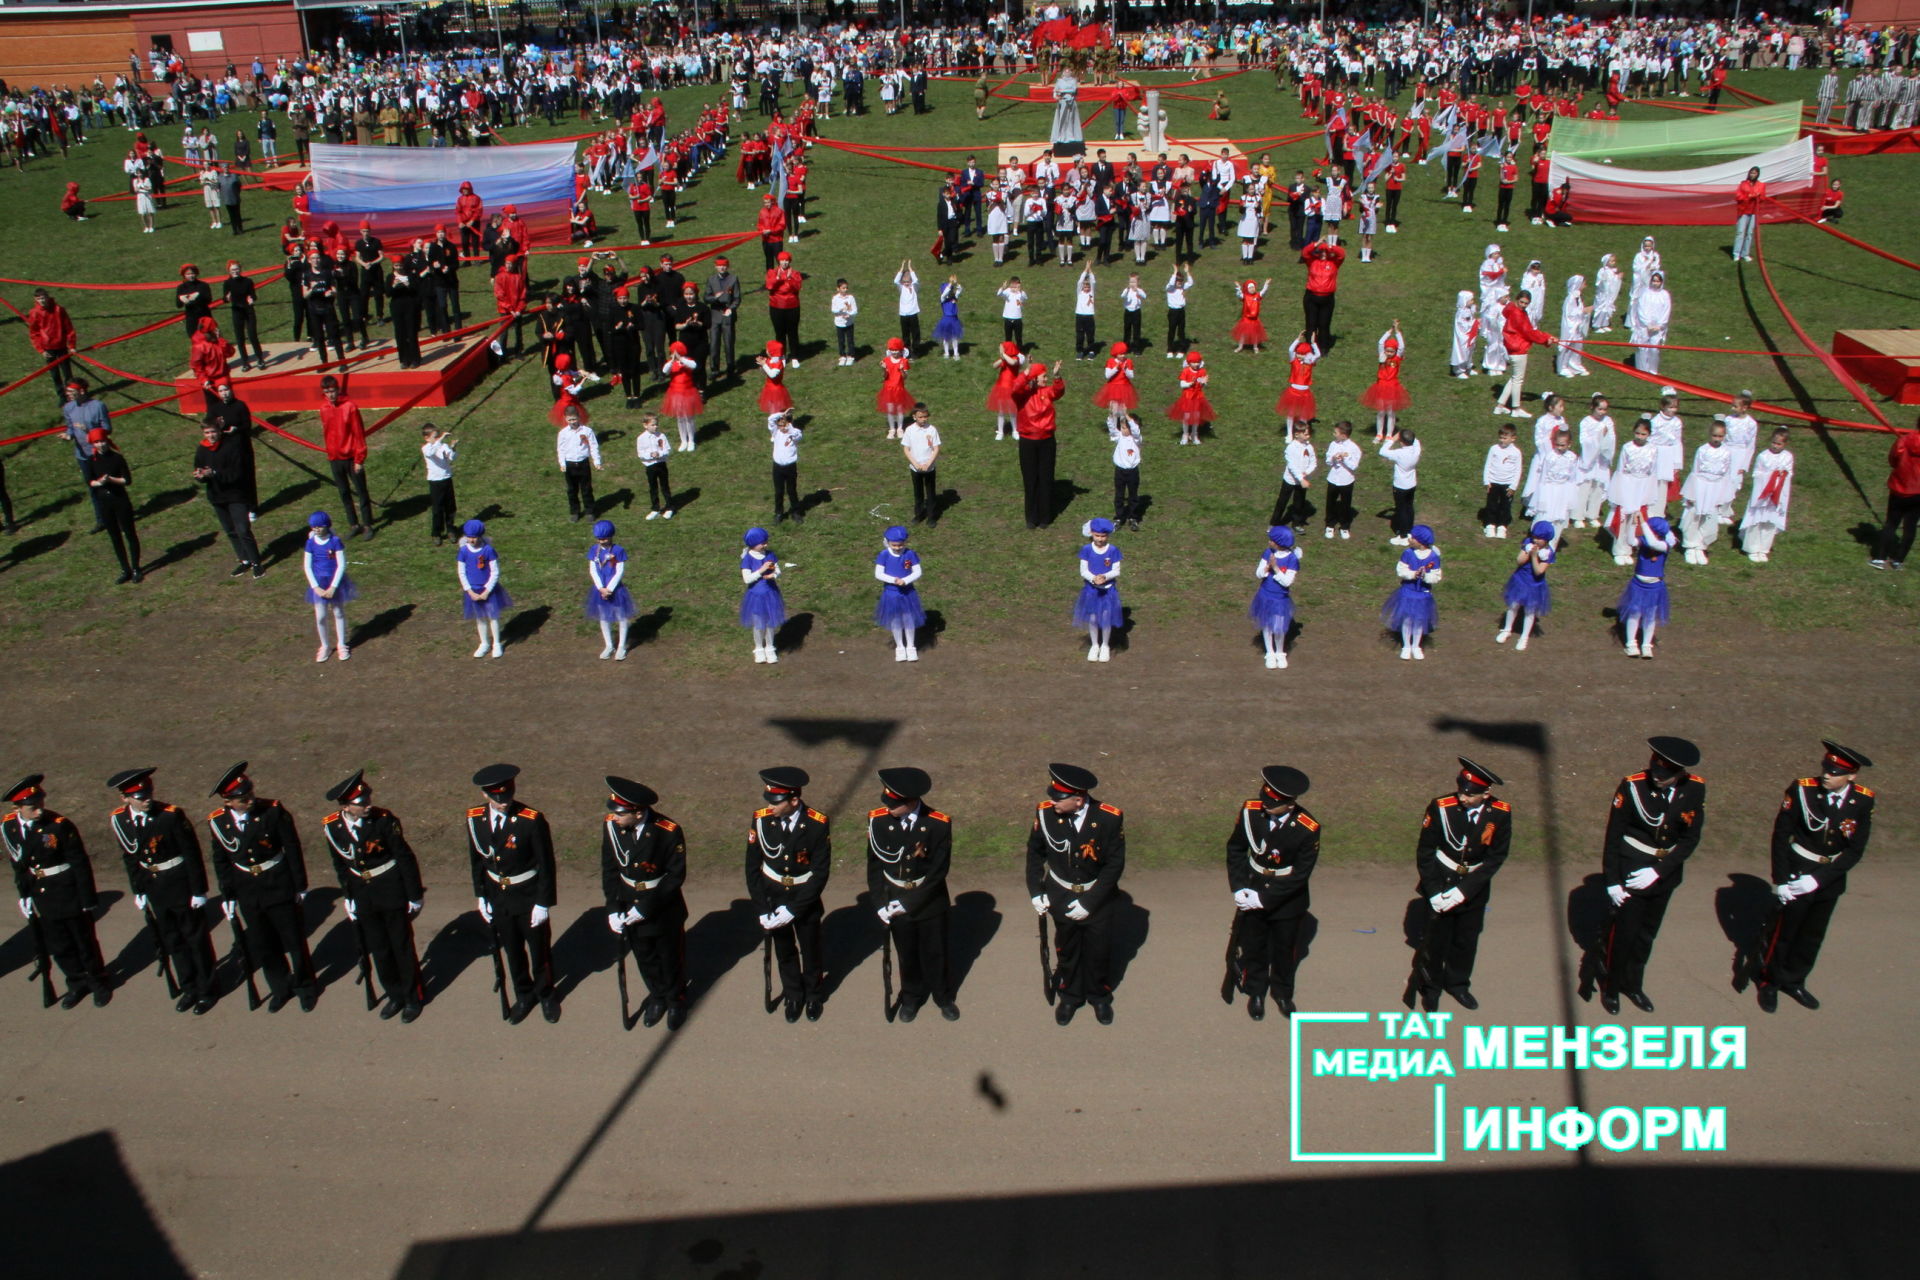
1272	611
1644	601
496	603
341	594
1097	606
948	328
762	605
898	607
1528	592
616	608
1409	604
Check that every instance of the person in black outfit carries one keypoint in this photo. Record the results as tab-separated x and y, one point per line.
1464	839
1271	853
169	881
443	283
350	300
578	318
1820	833
602	306
109	476
404	291
380	890
624	352
318	288
644	290
294	270
218	464
1184	213
909	848
513	883
242	299
53	879
643	863
1652	828
789	856
687	322
262	875
236	422
370	256
194	299
1076	852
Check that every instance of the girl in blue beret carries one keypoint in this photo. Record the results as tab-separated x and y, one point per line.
1527	594
899	609
328	586
482	598
1410	609
762	608
1272	607
1098	608
1644	605
608	601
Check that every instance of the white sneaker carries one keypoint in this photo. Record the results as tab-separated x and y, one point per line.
1419	653
773	655
669	514
606	652
497	651
1269	661
1500	637
619	655
1398	541
759	655
1500	531
1093	653
1520	644
899	653
793	364
653	515
1406	651
1633	651
1329	531
1106	654
1346	535
1280	660
1646	650
481	652
1764	556
913	654
1486	531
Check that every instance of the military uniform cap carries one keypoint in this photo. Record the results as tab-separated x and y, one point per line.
27	790
1677	751
132	782
1476	777
785	779
351	790
234	782
1283	780
906	783
1843	759
1071	779
496	777
625	793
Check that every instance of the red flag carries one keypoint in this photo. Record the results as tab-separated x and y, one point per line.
1094	35
1053	32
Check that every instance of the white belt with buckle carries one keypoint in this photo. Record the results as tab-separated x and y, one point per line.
1644	847
642	884
380	870
168	865
1461	867
504	881
1811	856
260	868
903	884
1068	884
1275	872
785	882
44	872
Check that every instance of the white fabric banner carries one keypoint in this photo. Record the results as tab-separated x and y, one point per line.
1790	165
342	168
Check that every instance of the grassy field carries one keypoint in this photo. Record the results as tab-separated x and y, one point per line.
989	577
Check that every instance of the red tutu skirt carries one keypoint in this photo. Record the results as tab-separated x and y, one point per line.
893	399
682	402
1000	399
1386	396
1250	332
558	414
1117	392
775	398
1296	404
1192	407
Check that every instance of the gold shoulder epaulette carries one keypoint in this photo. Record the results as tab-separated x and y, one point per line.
1107	808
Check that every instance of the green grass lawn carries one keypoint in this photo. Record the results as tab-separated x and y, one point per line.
987	575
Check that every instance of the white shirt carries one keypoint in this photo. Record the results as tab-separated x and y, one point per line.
786	446
1176	292
1083	300
919	443
1301	461
844	309
578	444
1343	462
439	456
1406	463
1126	448
1132	297
652	446
1502	465
909	292
1016	302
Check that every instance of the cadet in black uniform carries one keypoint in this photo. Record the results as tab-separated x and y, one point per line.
909	848
643	863
1464	838
1270	856
54	878
1075	854
513	881
262	873
169	879
789	856
1654	827
1819	834
382	893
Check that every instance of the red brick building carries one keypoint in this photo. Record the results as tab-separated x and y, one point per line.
49	44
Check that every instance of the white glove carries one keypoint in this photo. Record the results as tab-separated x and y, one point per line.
1040	904
538	918
885	913
1784	892
616	920
353	912
895	908
766	922
633	916
1440	902
1803	884
486	912
1642	879
197	901
1618	894
228	906
781	916
1246	899
26	907
1076	912
140	901
413	908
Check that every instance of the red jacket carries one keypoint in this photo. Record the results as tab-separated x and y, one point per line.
1035	421
783	289
1747	197
771	223
1517	330
51	329
468	208
345	434
1904	458
509	293
1323	266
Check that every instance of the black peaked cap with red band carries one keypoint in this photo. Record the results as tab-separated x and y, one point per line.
27	790
1476	777
905	783
137	783
625	794
1283	782
351	790
1070	780
234	782
1843	759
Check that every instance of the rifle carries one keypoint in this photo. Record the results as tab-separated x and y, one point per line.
1231	983
242	953
620	944
1750	963
1425	974
1046	961
499	969
366	963
42	962
160	950
886	971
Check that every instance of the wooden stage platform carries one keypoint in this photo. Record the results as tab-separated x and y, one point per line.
1888	360
292	378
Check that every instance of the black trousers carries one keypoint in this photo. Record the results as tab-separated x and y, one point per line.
1209	227
246	332
1083	950
926	490
406	328
440	507
1036	233
348	481
1266	944
910	331
579	487
1106	243
785	322
528	948
1130	330
239	530
1083	337
1014	331
1317	310
323	331
1183	240
1796	940
1504	205
1403	511
1291	507
299	310
1126	494
1453	940
435	300
1177	329
1036	476
1630	935
661	957
389	941
1453	170
921	946
786	489
185	939
1896	536
643	223
796	952
1498	510
71	941
1392	215
1339	506
1466	191
1538	206
116	512
352	309
1296	227
277	944
659	486
233	219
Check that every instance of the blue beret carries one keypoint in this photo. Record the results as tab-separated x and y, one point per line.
1280	536
1658	526
1543	529
1422	534
895	533
1099	524
319	520
603	529
473	528
754	536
